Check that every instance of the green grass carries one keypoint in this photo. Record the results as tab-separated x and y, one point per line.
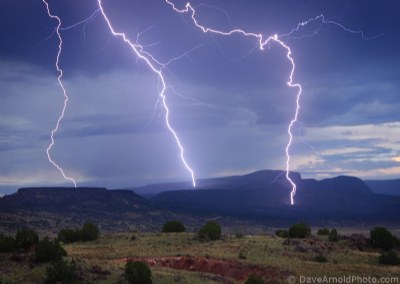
171	276
20	272
260	250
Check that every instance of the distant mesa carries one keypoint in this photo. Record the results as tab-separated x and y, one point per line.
266	193
388	187
68	199
261	197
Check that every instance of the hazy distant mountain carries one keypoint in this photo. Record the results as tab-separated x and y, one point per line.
256	180
261	197
267	193
388	187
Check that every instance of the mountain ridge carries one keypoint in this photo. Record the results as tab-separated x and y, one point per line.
388	187
268	193
261	198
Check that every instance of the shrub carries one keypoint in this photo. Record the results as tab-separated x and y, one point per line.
7	243
239	235
282	233
210	231
254	279
173	227
47	250
299	230
389	257
137	272
62	272
89	232
333	235
241	255
396	241
320	258
25	238
323	232
69	236
382	238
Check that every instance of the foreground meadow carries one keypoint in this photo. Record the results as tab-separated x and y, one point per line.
181	258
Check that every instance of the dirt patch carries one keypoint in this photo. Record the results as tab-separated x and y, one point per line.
226	268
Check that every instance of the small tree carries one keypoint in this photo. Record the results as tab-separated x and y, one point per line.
7	243
254	279
282	233
173	227
25	238
299	230
89	232
396	241
210	231
137	272
333	235
323	232
382	238
320	258
62	272
69	235
389	257
47	250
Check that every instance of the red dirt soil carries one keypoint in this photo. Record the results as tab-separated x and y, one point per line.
225	268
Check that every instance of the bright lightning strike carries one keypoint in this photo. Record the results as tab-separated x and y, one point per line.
263	41
158	67
151	63
60	71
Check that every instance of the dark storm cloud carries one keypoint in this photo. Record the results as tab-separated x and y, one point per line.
367	102
229	101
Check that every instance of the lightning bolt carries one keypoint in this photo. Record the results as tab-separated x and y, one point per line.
152	64
298	28
158	67
60	72
262	41
324	21
280	40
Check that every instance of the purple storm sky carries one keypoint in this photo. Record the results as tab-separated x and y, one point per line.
229	101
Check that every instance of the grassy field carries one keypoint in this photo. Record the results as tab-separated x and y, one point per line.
108	253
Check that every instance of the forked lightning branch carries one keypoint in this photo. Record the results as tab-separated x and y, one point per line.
157	68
